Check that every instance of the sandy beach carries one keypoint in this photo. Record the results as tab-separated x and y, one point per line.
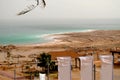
80	43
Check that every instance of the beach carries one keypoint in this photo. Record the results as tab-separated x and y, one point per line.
34	34
81	43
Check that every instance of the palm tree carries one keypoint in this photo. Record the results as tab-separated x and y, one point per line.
31	7
45	62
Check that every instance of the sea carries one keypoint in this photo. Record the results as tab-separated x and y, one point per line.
34	33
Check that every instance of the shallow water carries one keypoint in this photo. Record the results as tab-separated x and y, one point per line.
34	33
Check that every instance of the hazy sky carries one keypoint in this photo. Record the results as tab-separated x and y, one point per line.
61	9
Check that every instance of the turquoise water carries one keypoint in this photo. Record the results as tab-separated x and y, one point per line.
33	33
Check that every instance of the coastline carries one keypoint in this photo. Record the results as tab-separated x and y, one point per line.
85	37
100	42
55	37
99	39
92	36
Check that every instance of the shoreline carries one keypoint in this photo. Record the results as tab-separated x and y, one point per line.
61	37
108	35
44	38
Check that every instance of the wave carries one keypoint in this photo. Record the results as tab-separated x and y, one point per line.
89	30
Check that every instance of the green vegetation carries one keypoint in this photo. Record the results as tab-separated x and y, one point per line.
46	63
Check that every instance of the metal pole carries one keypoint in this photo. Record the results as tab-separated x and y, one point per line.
113	67
48	71
113	57
79	64
30	75
14	74
94	72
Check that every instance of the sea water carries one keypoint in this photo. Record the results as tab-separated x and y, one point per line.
16	33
